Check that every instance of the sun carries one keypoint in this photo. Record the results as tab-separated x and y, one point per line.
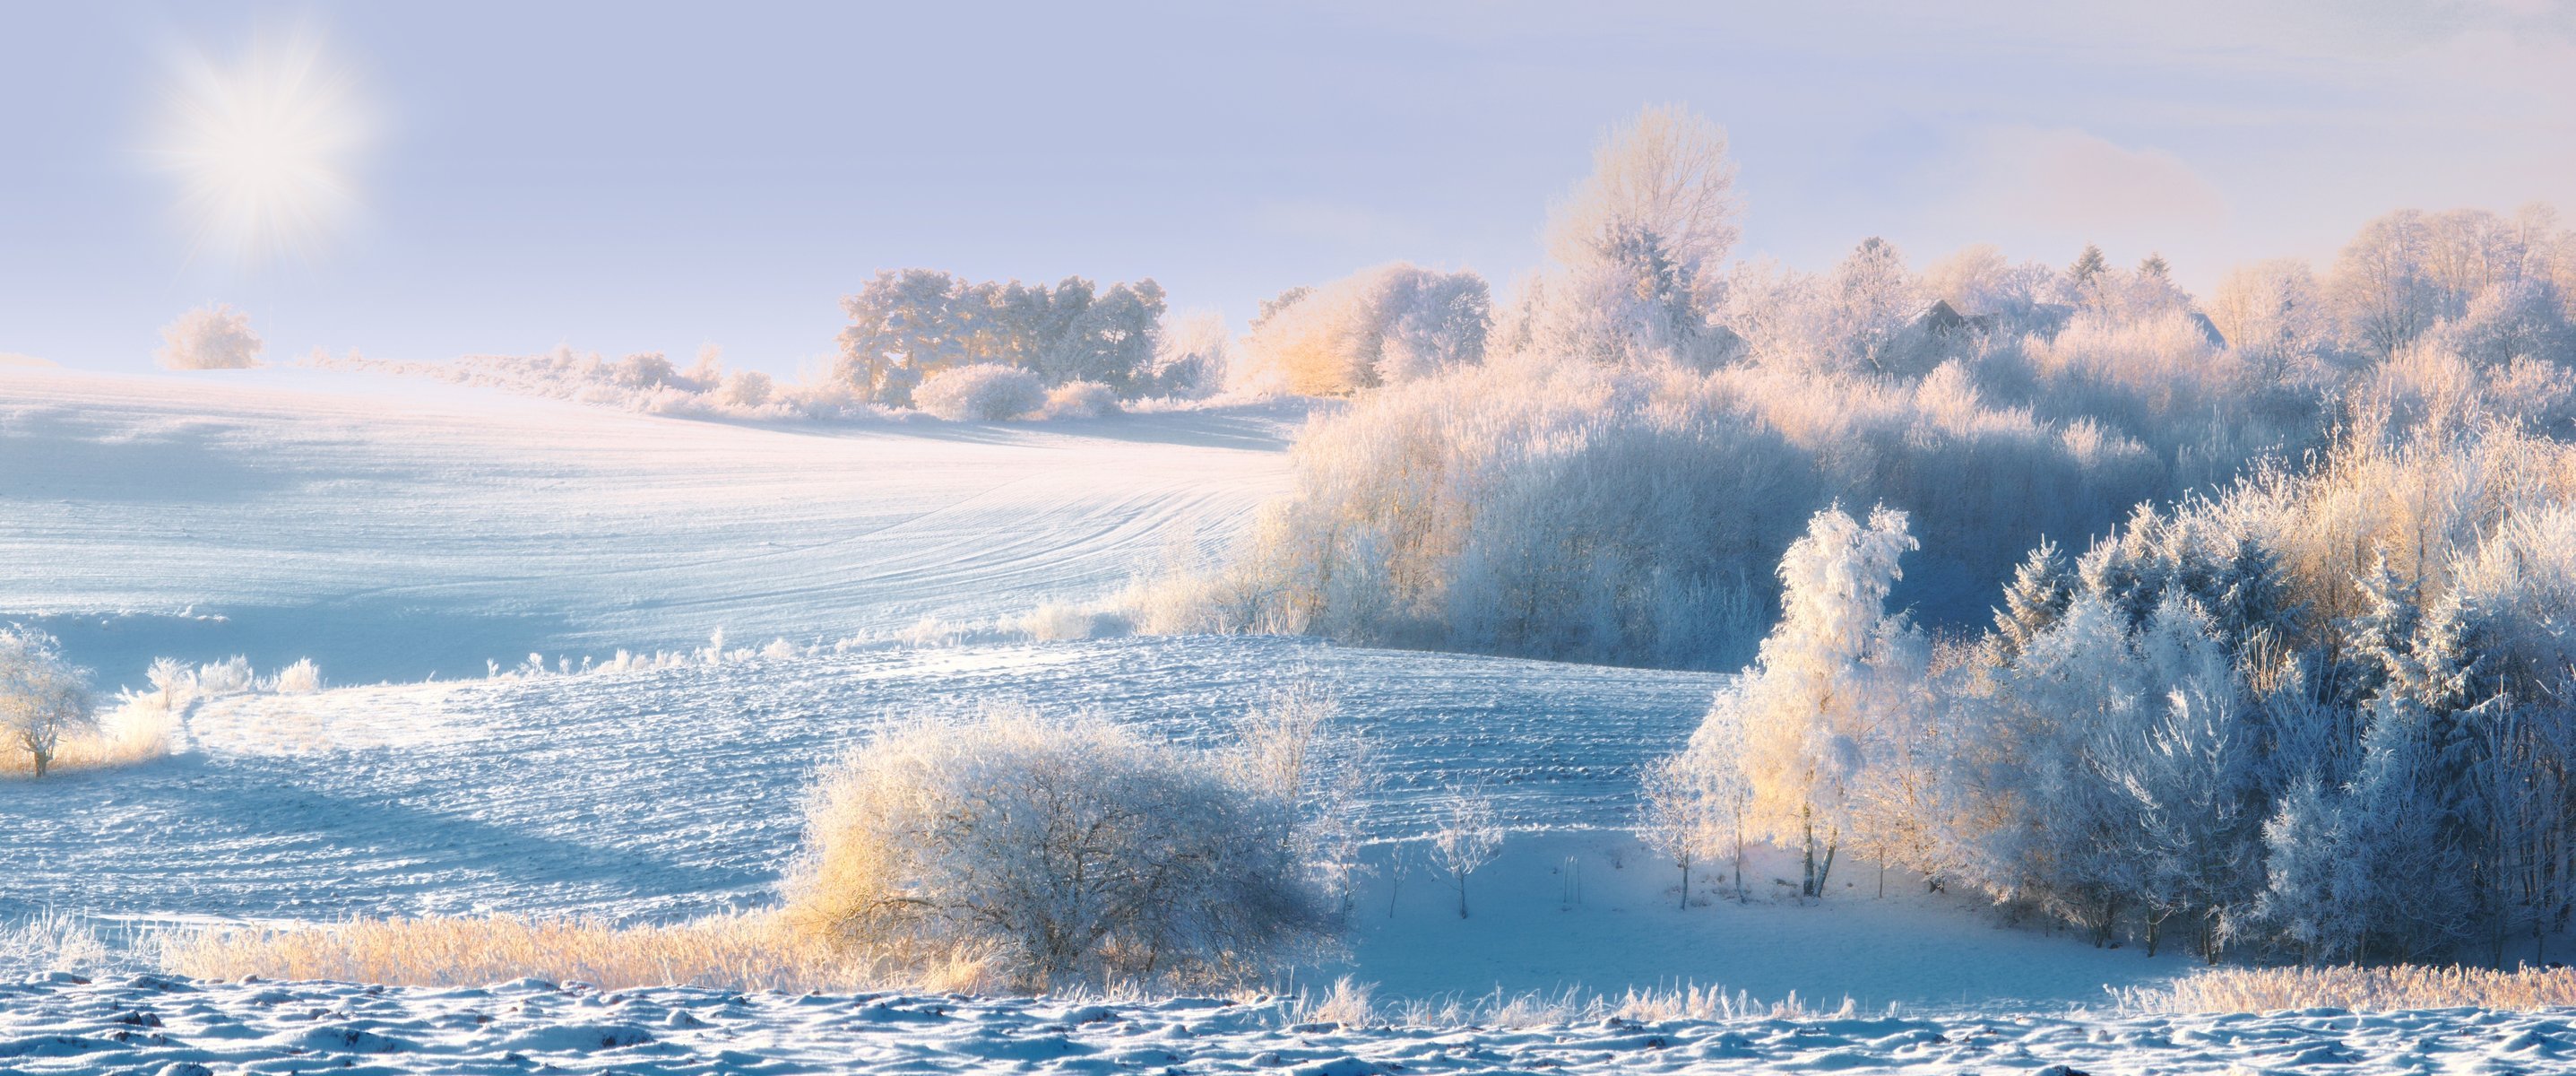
263	149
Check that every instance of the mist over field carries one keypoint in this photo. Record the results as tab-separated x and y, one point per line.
1452	539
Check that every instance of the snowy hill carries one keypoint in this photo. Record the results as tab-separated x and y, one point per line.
391	529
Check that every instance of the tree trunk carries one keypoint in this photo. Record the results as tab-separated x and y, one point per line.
1686	885
1807	875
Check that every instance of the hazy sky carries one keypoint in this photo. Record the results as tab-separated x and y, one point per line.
625	177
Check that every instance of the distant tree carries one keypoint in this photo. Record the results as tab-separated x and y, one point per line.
1640	244
909	324
209	338
2271	310
43	698
1381	326
2088	265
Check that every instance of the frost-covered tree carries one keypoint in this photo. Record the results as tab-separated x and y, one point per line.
209	338
43	698
2274	311
1469	836
1639	246
1807	708
1388	325
1692	807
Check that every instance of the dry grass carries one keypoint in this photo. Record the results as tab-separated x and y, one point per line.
2358	988
737	952
136	732
1354	1005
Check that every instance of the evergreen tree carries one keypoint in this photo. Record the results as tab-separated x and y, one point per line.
2088	266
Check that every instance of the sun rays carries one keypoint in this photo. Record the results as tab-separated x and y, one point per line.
263	144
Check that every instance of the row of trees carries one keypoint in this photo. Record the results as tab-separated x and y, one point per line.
1611	474
908	325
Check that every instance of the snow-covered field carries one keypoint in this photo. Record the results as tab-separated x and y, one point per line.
176	1027
395	528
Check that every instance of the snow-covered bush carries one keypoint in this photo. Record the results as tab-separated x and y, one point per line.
231	676
301	678
1066	851
986	392
1387	325
1080	399
1056	621
44	700
209	338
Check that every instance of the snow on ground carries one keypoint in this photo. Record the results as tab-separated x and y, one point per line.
671	793
177	1027
394	528
677	792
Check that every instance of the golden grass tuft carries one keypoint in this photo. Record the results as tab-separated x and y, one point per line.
2359	988
733	952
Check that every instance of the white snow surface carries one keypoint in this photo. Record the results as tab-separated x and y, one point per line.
660	795
56	1024
393	528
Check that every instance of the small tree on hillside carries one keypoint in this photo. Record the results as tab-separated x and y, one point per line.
42	697
1692	812
1469	836
209	338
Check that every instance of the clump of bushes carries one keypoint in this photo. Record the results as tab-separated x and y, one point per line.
983	392
209	338
1059	851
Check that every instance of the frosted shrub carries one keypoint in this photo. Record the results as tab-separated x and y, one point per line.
1064	851
301	678
209	338
1055	621
1081	399
231	676
44	700
984	392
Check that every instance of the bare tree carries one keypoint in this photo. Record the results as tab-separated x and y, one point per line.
1469	836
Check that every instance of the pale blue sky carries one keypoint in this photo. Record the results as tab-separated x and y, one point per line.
625	177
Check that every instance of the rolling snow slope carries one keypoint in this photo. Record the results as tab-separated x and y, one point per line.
395	528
